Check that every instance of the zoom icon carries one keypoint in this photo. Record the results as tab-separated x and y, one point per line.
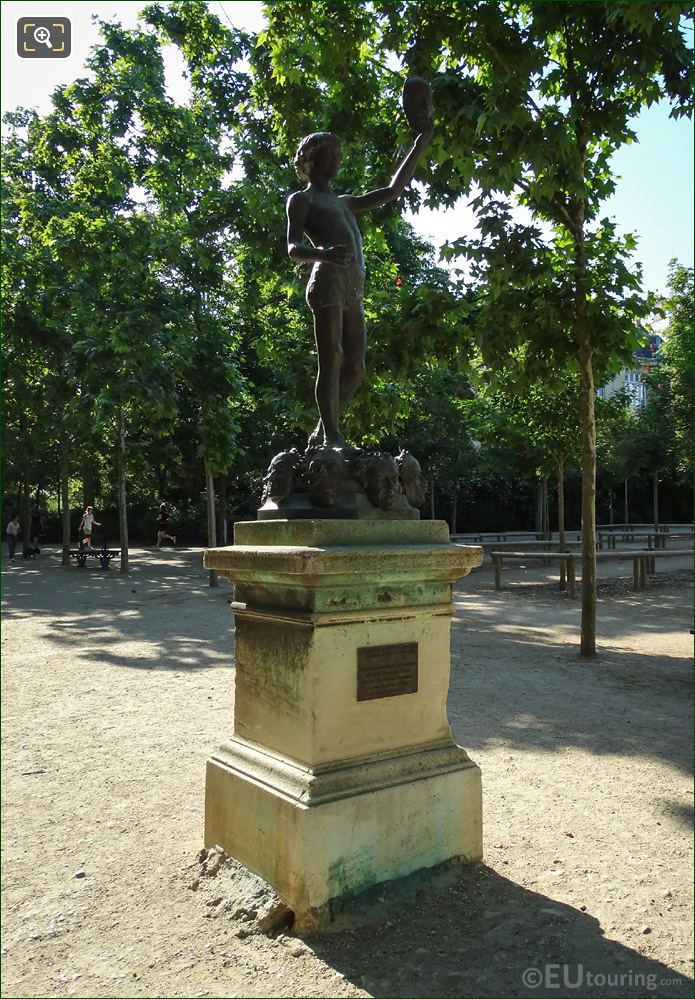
43	37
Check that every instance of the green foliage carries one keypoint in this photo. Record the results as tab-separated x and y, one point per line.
145	266
677	363
617	438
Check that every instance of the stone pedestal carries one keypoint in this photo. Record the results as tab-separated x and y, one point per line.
342	771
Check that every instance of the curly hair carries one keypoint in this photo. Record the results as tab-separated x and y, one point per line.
307	150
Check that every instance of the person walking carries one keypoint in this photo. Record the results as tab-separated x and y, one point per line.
163	529
86	525
13	529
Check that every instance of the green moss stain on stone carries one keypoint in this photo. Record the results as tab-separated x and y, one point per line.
349	875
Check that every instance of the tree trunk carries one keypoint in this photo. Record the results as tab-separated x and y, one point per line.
122	495
64	494
561	518
588	440
627	512
610	505
222	524
87	481
655	495
432	516
454	508
542	511
26	510
210	496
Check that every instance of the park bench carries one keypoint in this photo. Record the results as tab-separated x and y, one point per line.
631	528
103	554
655	539
520	546
490	537
643	562
647	563
659	540
563	558
609	538
489	546
549	547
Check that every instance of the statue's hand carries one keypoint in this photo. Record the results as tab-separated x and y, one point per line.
338	254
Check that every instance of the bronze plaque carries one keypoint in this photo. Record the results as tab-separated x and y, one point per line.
386	671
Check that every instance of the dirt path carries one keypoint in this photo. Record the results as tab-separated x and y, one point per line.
117	688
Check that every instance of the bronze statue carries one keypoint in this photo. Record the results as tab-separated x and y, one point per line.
333	479
278	480
335	289
414	485
379	473
327	476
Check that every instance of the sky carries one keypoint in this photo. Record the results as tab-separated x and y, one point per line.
654	198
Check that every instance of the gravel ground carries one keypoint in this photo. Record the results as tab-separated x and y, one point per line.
117	688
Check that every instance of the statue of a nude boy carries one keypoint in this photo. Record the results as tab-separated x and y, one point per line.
336	285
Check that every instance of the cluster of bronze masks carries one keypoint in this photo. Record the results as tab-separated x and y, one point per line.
325	474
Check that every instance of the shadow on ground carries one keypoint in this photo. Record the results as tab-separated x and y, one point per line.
99	615
517	678
471	932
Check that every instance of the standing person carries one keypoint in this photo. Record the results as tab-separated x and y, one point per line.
163	530
335	291
11	532
86	525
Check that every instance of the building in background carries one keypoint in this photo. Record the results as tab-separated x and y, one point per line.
631	380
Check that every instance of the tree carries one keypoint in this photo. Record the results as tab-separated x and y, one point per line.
654	449
676	361
617	446
38	359
532	100
547	419
123	197
436	427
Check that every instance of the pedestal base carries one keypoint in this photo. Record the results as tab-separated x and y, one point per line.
316	835
342	772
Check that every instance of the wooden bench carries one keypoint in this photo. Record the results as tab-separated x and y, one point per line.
659	540
492	537
626	556
655	539
521	546
609	538
563	558
104	555
642	563
647	563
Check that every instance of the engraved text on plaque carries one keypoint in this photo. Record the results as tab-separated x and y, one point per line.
386	670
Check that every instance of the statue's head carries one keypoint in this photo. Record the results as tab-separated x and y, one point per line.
414	484
319	144
326	476
381	480
277	481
